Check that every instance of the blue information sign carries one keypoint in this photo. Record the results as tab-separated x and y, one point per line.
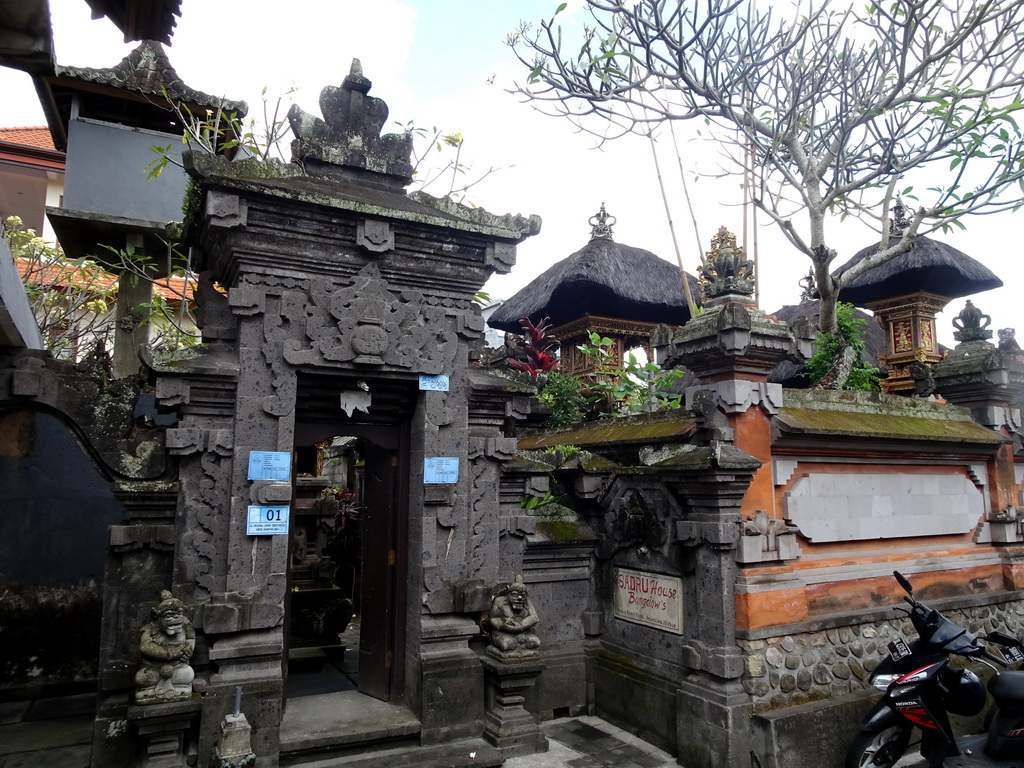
441	469
437	383
267	521
270	465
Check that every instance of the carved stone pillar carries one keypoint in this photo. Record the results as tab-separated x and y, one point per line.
731	347
712	714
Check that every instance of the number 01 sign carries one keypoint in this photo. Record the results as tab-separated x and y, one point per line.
267	521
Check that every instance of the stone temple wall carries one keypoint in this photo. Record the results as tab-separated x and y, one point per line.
799	668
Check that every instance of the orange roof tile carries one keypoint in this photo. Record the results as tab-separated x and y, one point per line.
32	136
170	288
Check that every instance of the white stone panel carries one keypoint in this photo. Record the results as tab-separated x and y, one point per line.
851	507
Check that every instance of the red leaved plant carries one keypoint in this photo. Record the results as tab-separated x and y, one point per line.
536	348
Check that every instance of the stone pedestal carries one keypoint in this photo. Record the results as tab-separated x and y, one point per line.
166	730
233	748
507	724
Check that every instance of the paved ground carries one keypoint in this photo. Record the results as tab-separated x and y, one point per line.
589	742
56	733
47	734
50	733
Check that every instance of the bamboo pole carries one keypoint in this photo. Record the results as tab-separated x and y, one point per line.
672	229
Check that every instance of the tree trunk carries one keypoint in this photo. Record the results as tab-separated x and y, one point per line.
828	290
828	322
839	371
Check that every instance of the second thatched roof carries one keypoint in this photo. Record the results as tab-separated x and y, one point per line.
606	279
788	373
929	266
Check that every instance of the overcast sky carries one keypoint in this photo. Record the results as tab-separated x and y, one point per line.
445	63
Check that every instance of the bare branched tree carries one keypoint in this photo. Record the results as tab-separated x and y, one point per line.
439	168
836	112
72	299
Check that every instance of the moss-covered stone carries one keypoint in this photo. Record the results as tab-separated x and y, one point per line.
560	530
559	524
877	415
630	429
289	181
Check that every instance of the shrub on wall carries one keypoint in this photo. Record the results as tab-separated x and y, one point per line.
48	634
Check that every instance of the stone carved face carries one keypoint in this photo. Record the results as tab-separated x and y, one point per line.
171	621
517	599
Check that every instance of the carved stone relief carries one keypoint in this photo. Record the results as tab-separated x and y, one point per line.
375	236
369	323
202	501
485	458
639	514
766	540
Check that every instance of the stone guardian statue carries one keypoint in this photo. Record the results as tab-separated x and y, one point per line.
166	644
512	618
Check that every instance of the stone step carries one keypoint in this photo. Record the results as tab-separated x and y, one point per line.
327	751
471	753
341	725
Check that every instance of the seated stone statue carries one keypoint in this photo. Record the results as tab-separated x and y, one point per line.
512	617
166	644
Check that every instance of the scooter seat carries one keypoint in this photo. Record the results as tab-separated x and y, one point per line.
1007	686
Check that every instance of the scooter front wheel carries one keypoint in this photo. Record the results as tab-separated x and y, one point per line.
879	749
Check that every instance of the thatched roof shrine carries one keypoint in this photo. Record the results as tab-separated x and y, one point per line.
929	266
605	279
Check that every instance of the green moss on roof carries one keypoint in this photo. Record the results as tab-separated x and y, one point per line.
851	401
631	429
286	180
891	426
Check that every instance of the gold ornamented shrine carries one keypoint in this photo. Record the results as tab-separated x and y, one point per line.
909	323
625	335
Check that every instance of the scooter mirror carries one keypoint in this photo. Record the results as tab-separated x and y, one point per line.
903	582
1002	638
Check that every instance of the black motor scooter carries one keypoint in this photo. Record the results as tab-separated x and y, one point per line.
922	688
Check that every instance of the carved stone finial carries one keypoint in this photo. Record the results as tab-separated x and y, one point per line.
809	287
166	644
512	618
899	220
726	269
969	324
601	224
349	134
1008	340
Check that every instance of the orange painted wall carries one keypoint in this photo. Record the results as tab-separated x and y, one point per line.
789	605
755	610
770	609
753	435
1003	482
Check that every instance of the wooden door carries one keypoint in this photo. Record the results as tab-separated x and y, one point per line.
378	604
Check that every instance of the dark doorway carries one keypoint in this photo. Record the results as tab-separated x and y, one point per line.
347	559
